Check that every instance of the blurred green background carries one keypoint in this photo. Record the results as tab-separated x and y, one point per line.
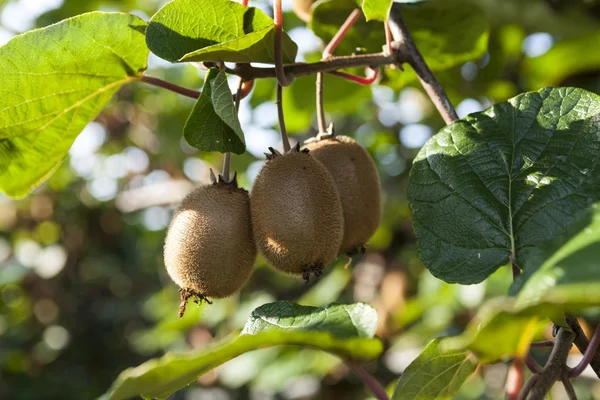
83	290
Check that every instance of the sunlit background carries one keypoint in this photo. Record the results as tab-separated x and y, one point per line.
83	290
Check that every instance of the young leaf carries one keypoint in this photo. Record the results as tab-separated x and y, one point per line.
213	124
438	373
54	81
214	30
565	271
505	180
497	330
344	330
376	9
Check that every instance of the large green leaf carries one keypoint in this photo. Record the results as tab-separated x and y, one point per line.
344	330
213	124
438	373
376	9
505	180
446	33
568	57
214	30
53	82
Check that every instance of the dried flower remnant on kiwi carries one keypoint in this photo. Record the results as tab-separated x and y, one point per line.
296	213
357	182
209	248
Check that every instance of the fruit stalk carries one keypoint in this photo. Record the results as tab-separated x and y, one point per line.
328	52
321	122
282	130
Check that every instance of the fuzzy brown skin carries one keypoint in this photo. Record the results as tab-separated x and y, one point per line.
357	182
302	9
209	248
296	214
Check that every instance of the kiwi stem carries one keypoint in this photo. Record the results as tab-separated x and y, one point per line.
373	384
284	137
226	164
388	37
321	122
282	78
404	43
194	94
358	79
237	99
328	52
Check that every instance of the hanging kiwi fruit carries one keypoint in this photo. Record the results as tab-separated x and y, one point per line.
296	212
357	183
209	249
302	9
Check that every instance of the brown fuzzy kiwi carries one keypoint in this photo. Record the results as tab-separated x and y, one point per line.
357	182
296	214
209	249
302	9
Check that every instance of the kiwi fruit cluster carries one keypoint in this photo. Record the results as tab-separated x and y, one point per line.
306	207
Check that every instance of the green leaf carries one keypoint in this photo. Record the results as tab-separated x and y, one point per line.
565	271
438	29
505	180
213	124
568	57
53	82
344	330
498	328
329	15
438	373
447	33
376	9
214	30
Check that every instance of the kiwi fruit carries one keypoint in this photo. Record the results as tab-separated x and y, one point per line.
297	215
209	249
357	182
302	9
